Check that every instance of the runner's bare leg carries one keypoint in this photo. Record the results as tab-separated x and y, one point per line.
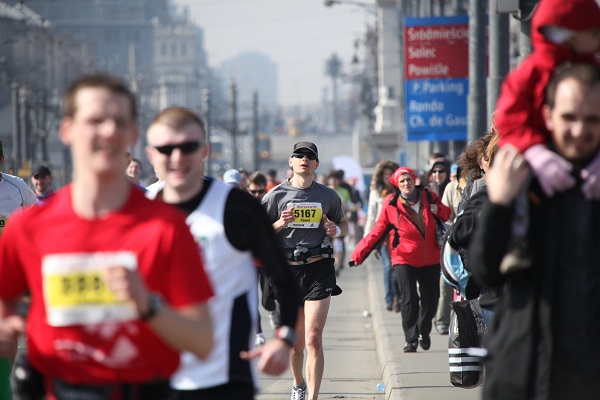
297	352
315	316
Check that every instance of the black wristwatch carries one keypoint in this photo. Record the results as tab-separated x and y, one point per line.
155	304
286	334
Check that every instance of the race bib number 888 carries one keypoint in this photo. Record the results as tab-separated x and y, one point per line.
75	292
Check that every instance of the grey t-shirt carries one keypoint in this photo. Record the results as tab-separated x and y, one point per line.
310	205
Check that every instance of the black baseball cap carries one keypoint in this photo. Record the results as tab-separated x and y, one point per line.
308	146
40	171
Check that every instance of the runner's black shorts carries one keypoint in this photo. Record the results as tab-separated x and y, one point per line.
316	280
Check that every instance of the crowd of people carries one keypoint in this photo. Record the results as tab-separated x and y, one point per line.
117	294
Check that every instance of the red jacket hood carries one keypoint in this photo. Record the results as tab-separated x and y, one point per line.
576	15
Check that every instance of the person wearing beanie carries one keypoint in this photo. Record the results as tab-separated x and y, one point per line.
439	173
407	220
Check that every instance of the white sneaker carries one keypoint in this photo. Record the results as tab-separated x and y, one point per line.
299	392
260	339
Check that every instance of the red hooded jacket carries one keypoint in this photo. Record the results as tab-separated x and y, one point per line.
519	118
413	248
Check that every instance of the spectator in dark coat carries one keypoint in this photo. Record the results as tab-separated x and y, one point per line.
543	340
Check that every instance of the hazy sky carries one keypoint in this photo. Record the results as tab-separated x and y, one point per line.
298	35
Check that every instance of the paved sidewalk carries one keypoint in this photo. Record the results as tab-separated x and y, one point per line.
362	352
422	375
352	368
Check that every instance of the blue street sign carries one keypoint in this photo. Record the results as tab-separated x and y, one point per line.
436	109
436	53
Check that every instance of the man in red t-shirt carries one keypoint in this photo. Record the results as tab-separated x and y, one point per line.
117	284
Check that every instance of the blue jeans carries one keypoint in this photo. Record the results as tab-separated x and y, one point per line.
390	284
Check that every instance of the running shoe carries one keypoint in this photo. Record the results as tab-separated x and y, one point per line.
410	347
425	342
299	392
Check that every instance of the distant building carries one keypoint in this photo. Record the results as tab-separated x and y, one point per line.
250	72
180	67
149	43
120	30
36	64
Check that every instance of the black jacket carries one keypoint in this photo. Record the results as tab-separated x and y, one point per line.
464	225
521	338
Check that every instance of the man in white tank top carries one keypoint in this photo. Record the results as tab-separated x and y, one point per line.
232	229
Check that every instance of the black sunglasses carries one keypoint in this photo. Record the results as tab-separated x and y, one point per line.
185	148
258	191
310	156
438	171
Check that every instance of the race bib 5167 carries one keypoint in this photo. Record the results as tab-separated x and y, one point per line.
307	215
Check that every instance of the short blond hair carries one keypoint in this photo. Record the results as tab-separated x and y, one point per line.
178	118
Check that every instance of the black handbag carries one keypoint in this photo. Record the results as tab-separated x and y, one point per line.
441	231
465	354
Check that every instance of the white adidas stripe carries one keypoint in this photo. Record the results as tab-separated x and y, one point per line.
466	369
462	360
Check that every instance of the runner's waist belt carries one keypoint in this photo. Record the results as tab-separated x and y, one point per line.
303	254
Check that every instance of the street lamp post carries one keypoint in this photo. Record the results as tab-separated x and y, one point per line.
24	107
388	135
370	8
498	55
527	9
16	129
255	129
477	107
206	105
234	123
43	133
49	115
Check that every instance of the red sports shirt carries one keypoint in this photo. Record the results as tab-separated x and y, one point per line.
57	255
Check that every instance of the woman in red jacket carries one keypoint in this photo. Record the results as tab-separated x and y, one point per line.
409	219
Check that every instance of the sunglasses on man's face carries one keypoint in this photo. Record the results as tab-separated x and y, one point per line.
310	156
258	191
438	171
185	148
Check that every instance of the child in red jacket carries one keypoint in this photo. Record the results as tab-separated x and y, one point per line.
563	31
